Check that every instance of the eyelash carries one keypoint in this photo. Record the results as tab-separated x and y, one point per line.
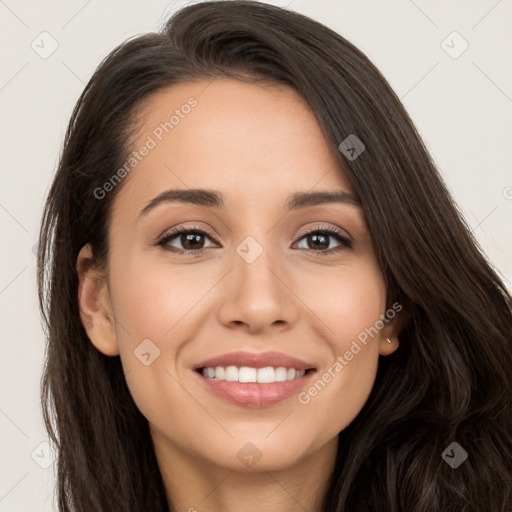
345	242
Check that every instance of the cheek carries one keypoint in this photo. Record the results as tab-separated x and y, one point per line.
156	311
351	302
153	300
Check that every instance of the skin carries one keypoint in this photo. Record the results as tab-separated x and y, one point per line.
256	144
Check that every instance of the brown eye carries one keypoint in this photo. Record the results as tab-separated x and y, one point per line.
319	241
189	240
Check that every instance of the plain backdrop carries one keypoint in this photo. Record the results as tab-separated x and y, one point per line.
459	98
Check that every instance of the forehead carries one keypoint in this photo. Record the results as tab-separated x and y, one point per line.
256	143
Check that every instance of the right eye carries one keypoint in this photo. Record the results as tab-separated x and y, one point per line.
190	239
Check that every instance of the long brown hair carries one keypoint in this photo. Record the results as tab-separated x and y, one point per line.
450	380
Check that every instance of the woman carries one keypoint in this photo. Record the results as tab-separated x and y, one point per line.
257	290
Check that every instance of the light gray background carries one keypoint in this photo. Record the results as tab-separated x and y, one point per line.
461	106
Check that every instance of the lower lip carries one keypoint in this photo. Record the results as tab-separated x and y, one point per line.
253	394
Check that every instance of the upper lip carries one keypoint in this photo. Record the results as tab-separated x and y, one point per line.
255	360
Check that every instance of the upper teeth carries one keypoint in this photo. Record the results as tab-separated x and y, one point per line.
246	374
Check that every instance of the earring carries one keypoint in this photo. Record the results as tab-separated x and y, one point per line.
388	340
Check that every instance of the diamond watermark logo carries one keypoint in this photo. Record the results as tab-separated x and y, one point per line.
43	455
454	45
249	249
44	45
249	455
454	455
351	147
146	352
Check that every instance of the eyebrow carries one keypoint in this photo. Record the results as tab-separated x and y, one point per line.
214	199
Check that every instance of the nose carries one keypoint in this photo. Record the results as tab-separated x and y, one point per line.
257	295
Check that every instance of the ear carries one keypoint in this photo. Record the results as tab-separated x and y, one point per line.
95	305
389	341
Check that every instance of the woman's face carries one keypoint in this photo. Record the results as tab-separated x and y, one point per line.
258	282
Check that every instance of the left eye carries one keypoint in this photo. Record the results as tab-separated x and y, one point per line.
320	238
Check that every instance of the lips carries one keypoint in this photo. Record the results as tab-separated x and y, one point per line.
256	360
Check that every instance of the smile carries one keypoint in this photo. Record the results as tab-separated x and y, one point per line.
266	375
250	393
